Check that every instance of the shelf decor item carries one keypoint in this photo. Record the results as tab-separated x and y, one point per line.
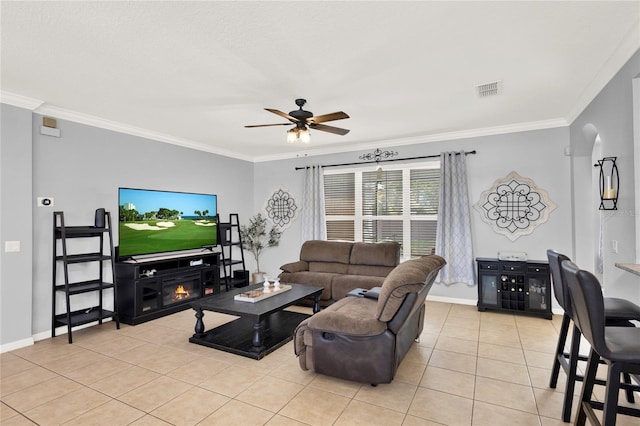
514	206
260	293
609	183
256	238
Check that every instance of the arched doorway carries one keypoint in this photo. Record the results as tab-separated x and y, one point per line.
588	231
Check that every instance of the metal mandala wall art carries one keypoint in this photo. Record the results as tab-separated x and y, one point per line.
281	208
514	206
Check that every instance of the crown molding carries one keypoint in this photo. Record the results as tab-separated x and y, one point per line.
436	137
90	120
20	101
40	107
629	45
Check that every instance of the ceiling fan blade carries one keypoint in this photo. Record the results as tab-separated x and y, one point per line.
282	114
330	129
329	117
267	125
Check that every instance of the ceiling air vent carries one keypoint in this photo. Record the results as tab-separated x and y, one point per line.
489	89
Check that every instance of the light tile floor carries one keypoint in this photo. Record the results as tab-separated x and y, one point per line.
469	368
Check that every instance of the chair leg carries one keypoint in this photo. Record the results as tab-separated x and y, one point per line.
587	387
571	374
562	339
611	397
627	380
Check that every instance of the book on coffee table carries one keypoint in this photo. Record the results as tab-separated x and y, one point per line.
259	293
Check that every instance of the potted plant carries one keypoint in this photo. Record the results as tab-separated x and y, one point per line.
256	239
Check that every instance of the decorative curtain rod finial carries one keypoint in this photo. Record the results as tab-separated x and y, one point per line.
378	155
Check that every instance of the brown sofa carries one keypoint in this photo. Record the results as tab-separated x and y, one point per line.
341	266
363	339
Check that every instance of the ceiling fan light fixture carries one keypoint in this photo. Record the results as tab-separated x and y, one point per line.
297	134
305	136
292	136
303	120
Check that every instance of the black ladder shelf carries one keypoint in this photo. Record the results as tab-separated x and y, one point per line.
65	285
234	272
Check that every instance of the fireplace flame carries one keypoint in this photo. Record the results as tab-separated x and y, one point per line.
181	293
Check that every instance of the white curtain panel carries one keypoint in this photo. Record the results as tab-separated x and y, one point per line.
453	236
313	222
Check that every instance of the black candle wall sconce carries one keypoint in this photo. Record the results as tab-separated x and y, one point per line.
609	183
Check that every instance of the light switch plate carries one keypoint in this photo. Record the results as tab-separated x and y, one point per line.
11	246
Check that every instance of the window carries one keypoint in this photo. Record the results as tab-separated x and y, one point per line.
397	203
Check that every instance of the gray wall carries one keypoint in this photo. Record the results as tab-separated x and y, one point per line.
610	114
15	225
83	169
537	155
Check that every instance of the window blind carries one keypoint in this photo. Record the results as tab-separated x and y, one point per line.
396	204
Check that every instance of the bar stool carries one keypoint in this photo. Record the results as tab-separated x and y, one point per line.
619	347
618	312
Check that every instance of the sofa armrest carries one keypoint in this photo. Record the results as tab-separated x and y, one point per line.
298	266
408	277
302	344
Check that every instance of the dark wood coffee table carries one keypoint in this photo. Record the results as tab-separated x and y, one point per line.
262	327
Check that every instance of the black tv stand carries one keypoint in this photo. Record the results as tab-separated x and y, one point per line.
152	287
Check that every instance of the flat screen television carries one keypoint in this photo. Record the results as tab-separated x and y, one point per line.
152	221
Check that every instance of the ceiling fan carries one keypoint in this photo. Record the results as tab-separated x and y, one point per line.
305	120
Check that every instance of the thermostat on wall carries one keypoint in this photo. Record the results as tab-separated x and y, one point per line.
512	255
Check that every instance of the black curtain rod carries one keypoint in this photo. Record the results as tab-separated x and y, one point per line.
383	161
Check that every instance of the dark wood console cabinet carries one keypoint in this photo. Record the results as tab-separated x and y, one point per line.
514	286
154	287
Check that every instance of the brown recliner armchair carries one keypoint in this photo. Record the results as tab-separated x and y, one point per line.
364	339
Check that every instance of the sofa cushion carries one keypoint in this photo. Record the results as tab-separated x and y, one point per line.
332	267
351	315
326	251
380	254
316	279
343	284
408	277
369	270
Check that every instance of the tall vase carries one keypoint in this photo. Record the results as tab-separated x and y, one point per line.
257	277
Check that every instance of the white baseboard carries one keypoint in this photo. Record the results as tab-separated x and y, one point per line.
12	346
43	335
63	330
454	300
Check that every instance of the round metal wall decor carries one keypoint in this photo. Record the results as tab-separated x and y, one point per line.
281	208
514	206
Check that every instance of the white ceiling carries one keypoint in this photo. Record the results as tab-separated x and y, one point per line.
194	73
